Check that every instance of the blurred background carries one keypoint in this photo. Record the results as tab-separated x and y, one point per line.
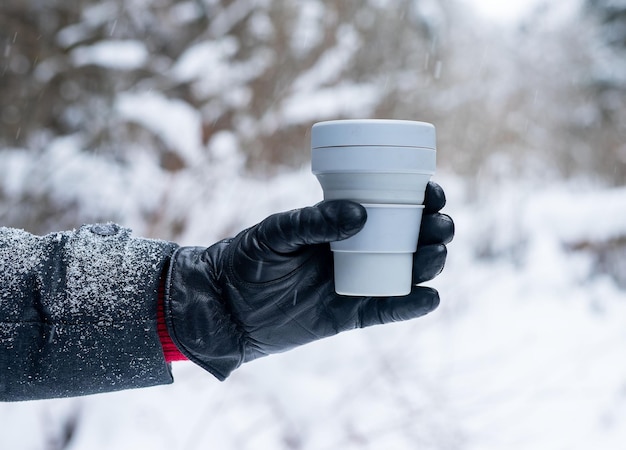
190	120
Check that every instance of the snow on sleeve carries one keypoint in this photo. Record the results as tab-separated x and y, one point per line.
109	273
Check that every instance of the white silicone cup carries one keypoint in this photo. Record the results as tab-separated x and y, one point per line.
373	274
401	133
385	165
373	158
378	260
388	229
374	174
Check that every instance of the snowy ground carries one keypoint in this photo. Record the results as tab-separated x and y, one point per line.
525	351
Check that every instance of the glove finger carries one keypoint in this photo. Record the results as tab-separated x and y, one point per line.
328	221
420	301
436	229
434	198
428	262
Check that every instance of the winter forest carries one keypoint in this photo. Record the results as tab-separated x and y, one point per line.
190	120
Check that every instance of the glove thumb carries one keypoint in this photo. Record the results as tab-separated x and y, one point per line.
327	221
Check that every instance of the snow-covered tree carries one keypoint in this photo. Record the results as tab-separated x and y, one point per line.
156	81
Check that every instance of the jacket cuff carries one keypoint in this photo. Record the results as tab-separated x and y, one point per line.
198	322
170	350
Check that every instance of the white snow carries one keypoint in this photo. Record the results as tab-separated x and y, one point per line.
208	65
514	13
307	31
114	54
525	351
332	63
204	59
177	123
347	99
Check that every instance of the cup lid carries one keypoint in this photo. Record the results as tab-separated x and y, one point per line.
380	132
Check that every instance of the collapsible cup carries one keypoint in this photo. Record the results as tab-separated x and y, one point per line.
384	165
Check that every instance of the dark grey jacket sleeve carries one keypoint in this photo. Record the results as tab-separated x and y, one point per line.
78	312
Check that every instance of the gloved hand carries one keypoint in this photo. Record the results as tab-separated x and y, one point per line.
271	287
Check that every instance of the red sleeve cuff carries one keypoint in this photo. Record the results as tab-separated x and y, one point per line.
170	350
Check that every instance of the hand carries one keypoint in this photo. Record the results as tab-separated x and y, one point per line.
271	287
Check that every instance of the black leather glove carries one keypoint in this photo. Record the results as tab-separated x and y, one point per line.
271	288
